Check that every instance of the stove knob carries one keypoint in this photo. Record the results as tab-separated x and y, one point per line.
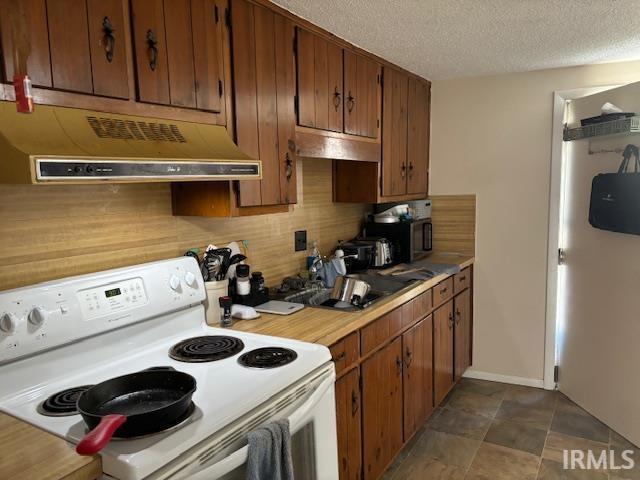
174	282
37	316
8	323
190	279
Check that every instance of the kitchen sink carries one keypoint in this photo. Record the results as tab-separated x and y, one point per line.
320	297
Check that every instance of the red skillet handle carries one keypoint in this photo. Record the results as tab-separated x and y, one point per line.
97	439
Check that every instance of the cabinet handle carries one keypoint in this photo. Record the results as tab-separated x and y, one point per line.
152	44
399	365
443	290
463	278
340	357
288	172
403	170
457	316
336	98
351	102
354	403
109	39
450	321
411	169
409	355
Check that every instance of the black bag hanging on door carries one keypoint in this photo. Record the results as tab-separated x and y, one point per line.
615	197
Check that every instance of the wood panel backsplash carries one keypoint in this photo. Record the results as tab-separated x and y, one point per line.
454	223
53	231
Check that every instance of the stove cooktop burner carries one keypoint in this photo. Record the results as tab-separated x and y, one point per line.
208	348
63	403
267	357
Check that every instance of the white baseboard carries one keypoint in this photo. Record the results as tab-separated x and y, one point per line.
496	377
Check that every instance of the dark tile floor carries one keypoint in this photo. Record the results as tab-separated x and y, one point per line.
493	431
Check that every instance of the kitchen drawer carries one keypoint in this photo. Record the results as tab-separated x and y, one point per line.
443	292
462	280
380	330
345	352
422	305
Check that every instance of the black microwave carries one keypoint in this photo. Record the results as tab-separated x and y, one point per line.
410	240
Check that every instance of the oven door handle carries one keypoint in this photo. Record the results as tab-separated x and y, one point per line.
296	421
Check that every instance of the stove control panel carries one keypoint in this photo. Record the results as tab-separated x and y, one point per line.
51	314
99	301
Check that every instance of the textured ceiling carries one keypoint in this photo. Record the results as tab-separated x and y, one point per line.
441	39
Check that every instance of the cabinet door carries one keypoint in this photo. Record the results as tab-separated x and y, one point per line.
265	118
319	74
150	51
417	376
394	133
462	333
107	42
70	56
25	39
178	32
362	95
443	351
418	138
382	408
206	21
348	420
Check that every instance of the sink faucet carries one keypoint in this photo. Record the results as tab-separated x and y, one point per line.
315	268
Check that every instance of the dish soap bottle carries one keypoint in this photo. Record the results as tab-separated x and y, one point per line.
315	253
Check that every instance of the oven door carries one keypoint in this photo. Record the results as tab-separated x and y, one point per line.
312	422
421	238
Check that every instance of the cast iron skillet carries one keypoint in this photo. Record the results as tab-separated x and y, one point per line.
132	405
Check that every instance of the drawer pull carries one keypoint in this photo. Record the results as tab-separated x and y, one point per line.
340	357
409	355
354	403
336	98
463	278
109	38
152	46
443	290
351	102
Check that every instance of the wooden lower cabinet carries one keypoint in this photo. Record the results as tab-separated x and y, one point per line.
462	333
417	375
443	351
348	417
382	409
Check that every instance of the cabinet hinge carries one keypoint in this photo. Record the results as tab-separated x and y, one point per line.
227	17
216	17
220	88
556	373
562	256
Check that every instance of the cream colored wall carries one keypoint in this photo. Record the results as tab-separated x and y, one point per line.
492	136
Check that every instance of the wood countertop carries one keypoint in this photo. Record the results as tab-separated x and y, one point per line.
326	326
30	453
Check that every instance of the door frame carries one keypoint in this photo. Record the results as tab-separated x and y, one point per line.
561	99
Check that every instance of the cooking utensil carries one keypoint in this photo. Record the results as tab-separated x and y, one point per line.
351	290
225	255
212	264
132	405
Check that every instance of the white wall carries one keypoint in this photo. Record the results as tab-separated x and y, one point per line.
492	136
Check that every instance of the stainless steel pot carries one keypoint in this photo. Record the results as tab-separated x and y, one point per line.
351	290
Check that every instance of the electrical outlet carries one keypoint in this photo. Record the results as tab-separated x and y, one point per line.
300	240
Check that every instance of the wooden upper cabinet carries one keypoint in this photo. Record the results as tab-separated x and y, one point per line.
264	94
320	82
362	95
208	34
179	56
25	40
150	51
418	112
108	46
71	45
394	133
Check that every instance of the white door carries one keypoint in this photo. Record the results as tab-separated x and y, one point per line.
599	283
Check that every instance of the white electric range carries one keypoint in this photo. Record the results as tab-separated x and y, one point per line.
83	330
